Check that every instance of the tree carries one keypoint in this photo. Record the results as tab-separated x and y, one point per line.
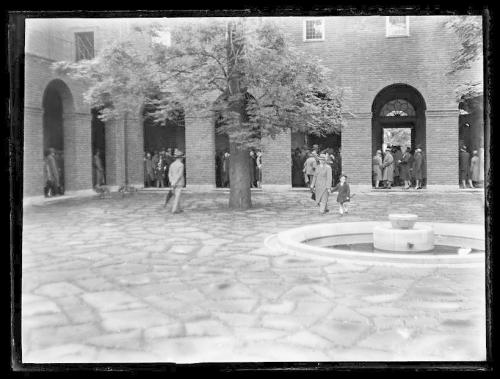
263	85
469	32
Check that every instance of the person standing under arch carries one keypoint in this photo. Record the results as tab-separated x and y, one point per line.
418	162
474	169
388	165
404	168
99	169
51	174
377	168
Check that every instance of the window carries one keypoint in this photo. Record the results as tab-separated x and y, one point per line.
314	30
162	37
398	107
84	43
397	26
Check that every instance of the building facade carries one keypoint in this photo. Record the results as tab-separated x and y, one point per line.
394	71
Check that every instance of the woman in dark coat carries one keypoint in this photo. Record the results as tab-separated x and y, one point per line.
344	195
404	168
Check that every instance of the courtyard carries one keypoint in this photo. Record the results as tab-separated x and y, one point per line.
124	280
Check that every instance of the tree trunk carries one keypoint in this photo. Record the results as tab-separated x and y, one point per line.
239	177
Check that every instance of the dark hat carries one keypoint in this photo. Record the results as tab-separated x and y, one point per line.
178	153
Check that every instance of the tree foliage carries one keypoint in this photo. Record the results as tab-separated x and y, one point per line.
280	87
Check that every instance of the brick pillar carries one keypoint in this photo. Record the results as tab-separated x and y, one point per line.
356	150
77	151
33	152
277	162
134	132
115	152
200	150
442	148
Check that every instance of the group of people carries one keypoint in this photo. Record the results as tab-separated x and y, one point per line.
53	173
156	167
398	168
222	168
469	168
305	161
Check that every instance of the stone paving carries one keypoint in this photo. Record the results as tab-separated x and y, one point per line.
123	280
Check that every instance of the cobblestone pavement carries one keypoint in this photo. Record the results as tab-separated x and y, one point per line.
122	280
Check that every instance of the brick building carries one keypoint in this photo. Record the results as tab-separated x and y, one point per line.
393	68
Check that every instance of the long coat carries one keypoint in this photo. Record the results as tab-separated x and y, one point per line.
397	157
463	164
344	192
51	173
404	168
322	182
377	167
474	168
418	163
388	167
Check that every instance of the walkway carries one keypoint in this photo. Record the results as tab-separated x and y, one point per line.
122	280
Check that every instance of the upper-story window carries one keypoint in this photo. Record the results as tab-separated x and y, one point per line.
84	43
314	29
397	26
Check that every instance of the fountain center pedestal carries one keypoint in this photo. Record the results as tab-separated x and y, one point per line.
403	234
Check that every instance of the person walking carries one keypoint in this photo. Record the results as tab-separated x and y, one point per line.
176	179
474	168
377	168
388	169
464	166
418	161
99	169
404	168
321	183
344	195
310	166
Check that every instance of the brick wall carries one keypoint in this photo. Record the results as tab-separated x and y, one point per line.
356	150
442	147
277	160
200	149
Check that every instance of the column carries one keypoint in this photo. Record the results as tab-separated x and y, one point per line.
277	162
77	151
115	152
33	153
442	148
200	150
134	148
356	146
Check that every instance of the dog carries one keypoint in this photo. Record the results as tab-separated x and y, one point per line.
127	190
103	191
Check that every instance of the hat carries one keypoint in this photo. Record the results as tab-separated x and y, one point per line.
178	153
379	152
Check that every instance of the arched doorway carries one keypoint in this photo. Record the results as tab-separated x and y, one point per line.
57	102
302	143
398	120
98	146
471	135
161	139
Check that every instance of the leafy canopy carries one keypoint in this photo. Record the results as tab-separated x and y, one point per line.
243	70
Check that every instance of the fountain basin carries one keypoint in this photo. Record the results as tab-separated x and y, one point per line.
419	238
316	241
403	220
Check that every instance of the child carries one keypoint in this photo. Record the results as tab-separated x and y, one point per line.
344	194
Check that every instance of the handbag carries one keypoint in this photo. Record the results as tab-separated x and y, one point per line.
313	196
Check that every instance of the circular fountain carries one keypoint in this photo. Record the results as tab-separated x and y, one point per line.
401	241
401	235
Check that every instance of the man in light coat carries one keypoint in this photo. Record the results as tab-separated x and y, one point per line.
176	179
388	165
321	183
